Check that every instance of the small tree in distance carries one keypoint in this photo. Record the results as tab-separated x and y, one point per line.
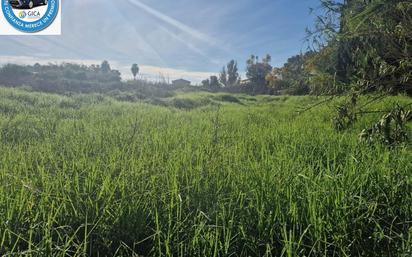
214	83
223	77
257	71
232	73
229	76
135	70
105	67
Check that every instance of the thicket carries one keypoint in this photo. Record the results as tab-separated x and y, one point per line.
355	46
70	78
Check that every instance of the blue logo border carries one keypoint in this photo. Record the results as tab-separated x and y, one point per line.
46	20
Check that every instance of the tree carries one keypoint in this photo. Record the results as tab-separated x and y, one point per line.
370	44
105	67
232	74
294	77
267	59
223	77
206	83
321	72
135	70
15	75
214	83
229	75
365	46
256	72
275	81
37	67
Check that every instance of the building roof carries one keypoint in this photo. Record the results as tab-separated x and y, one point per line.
181	81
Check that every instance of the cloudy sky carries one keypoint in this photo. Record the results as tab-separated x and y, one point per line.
170	38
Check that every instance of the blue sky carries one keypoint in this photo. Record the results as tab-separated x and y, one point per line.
179	38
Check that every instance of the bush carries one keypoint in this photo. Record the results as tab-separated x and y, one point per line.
227	98
188	104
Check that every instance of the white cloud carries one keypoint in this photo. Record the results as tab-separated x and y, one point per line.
173	22
153	72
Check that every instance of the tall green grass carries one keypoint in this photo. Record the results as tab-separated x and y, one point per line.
91	176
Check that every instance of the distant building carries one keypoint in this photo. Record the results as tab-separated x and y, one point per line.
181	82
245	82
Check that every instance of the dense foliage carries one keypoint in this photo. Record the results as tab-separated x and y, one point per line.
371	49
292	78
355	45
66	77
69	78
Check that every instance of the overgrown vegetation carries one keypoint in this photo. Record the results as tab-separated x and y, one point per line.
87	175
69	78
105	167
356	47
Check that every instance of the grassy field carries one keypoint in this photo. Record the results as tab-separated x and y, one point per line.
196	174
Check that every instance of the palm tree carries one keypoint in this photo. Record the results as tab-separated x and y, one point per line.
135	70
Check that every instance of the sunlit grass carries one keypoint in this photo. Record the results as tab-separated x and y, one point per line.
92	176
